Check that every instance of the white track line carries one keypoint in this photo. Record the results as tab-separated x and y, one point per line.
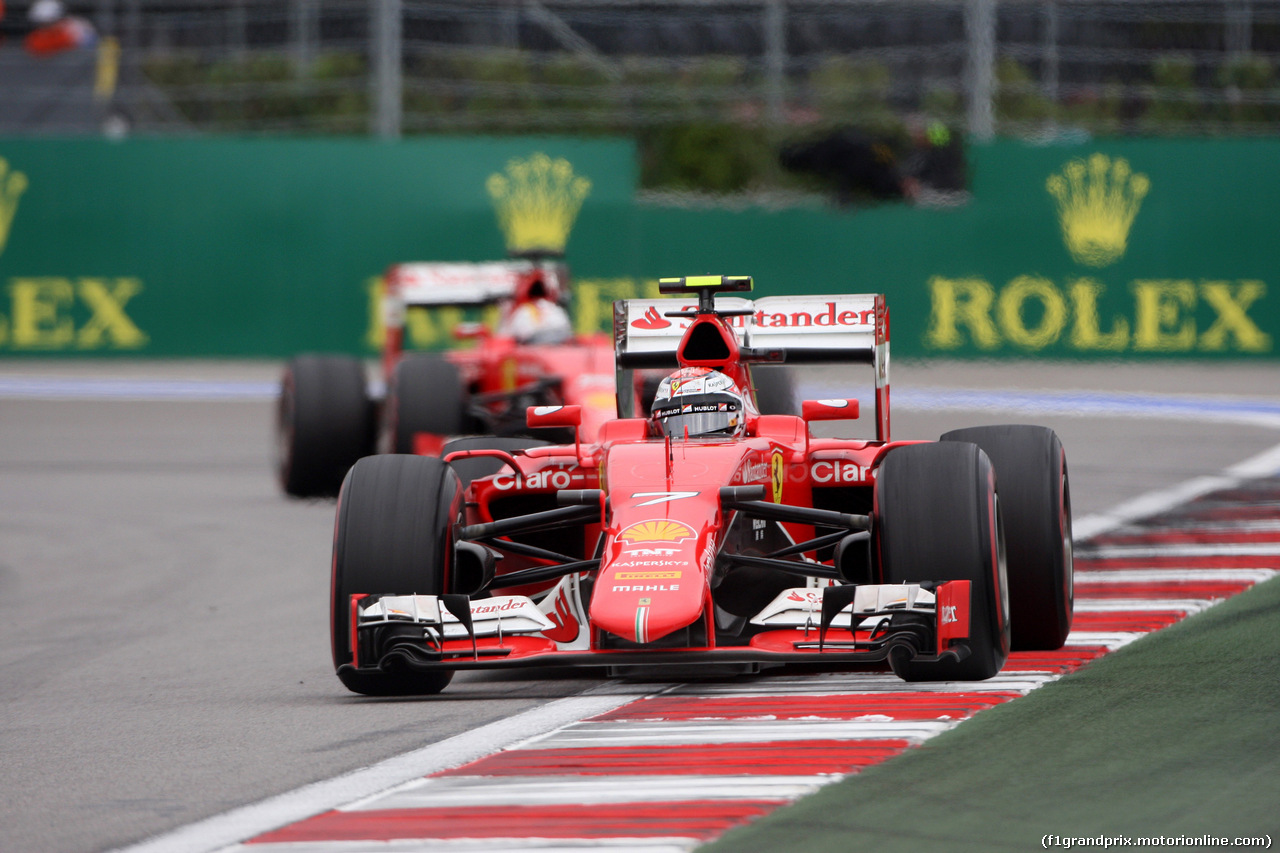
484	845
243	823
458	791
1265	464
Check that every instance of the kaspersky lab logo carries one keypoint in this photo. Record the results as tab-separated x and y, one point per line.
1097	200
1097	203
12	185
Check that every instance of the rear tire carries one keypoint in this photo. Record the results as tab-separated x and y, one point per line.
775	390
323	423
426	394
393	535
937	518
1031	473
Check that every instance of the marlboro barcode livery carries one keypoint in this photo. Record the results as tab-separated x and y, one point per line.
695	531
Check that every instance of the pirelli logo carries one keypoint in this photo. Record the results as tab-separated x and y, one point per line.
646	576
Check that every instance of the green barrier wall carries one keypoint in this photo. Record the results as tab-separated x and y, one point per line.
256	248
1175	256
1141	248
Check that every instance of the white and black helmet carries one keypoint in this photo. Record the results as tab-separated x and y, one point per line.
539	321
698	401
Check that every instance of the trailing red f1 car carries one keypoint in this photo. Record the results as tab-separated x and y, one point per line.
708	535
327	419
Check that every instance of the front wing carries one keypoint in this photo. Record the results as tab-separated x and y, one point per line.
834	625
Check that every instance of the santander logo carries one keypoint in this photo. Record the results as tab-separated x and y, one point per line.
651	320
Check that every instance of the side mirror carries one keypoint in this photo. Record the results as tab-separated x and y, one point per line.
553	416
829	410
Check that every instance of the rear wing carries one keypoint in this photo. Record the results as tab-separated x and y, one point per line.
459	285
468	284
823	329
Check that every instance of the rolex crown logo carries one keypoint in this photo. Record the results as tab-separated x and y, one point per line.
12	186
1097	202
537	201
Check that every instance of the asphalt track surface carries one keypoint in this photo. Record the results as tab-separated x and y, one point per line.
163	609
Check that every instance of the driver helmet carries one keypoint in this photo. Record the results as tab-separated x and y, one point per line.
539	321
698	401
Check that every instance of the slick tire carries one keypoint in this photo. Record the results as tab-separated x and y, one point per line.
393	536
323	423
426	394
937	517
1035	496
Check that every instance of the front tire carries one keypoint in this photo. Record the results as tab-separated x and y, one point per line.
323	423
1031	473
393	535
937	518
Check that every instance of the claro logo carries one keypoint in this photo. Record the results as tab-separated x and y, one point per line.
549	478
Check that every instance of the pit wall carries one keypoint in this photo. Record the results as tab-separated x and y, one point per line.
264	248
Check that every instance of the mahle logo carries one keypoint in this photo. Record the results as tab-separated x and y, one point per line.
1097	203
537	201
12	185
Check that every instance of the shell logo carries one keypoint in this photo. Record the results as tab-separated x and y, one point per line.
658	530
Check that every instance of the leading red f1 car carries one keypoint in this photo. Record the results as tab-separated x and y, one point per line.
707	535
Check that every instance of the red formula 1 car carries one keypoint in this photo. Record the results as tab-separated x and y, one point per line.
327	419
707	535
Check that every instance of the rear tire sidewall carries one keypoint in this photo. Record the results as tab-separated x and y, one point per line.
426	394
775	390
937	518
323	423
393	534
1031	473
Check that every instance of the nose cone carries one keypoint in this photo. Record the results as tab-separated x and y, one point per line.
654	582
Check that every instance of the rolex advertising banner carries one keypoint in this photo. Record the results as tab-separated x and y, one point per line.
1129	249
245	248
264	248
